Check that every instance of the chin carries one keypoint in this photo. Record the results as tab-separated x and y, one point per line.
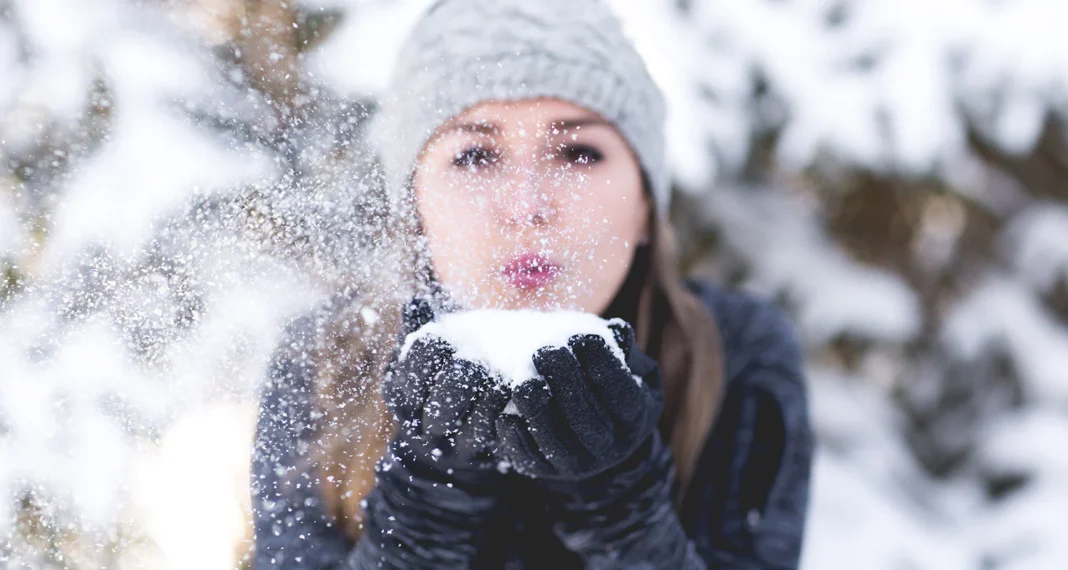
555	297
555	301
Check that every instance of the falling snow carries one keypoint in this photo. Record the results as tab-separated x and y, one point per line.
180	179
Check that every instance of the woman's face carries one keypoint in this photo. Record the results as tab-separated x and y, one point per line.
533	204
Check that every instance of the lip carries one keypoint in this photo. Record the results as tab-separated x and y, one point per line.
530	271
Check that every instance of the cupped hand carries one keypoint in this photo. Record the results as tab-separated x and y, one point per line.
445	406
588	412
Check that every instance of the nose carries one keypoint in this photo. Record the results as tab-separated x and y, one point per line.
531	199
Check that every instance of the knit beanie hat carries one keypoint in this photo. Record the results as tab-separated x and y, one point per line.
464	52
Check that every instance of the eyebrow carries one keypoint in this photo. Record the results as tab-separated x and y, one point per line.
577	123
482	127
488	128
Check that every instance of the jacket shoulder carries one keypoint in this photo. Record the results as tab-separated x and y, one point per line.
754	332
756	467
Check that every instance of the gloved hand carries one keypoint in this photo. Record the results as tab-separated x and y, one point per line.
587	435
587	413
445	407
438	487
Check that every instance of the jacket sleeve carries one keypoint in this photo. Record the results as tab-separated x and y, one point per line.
625	518
753	476
417	519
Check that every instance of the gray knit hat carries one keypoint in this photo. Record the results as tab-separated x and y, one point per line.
463	52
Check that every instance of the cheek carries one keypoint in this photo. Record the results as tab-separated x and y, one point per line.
614	213
455	230
605	227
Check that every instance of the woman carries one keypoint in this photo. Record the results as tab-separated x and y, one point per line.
523	156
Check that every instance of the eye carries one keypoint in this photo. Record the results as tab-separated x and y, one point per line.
474	158
581	154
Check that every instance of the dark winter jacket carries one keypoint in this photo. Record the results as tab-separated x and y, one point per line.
750	486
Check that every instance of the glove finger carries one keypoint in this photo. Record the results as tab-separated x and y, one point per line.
624	335
407	385
427	356
481	425
452	397
416	313
555	439
645	368
519	448
637	361
571	395
610	381
434	347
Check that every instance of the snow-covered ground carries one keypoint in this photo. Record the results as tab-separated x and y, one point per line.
136	314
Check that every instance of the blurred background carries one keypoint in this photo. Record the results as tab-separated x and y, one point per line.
178	178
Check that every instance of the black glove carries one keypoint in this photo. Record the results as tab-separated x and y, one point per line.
588	436
588	413
445	409
438	487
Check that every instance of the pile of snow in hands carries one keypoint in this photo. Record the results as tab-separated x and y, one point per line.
505	341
